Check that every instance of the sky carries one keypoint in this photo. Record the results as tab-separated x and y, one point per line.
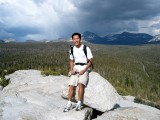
53	19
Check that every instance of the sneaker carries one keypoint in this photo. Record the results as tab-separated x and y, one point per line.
79	107
67	108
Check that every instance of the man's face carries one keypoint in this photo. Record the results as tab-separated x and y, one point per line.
76	40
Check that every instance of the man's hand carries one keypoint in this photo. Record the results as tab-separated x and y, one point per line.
82	72
72	72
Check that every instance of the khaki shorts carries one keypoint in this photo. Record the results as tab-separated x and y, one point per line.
75	79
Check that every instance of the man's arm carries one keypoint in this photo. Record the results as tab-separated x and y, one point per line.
71	65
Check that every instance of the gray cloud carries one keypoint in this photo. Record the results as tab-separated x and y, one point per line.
51	19
118	9
113	16
156	25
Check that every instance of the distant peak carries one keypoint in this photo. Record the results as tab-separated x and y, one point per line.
126	33
88	32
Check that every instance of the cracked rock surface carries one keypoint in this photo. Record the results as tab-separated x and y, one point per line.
30	96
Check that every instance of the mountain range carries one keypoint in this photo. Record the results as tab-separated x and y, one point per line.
2	41
124	38
7	40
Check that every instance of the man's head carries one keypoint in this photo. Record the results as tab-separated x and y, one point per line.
76	38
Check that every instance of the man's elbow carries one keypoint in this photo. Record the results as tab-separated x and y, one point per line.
71	61
90	60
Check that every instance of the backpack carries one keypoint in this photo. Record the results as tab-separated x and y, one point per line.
85	52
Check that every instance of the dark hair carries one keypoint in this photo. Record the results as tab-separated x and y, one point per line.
76	34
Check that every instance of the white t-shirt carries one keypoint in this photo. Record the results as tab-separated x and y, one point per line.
80	57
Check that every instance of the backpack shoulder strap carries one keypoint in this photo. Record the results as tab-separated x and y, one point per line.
85	51
72	51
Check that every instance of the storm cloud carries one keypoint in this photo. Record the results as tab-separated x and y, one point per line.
52	19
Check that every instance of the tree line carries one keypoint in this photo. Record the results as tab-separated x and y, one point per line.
132	70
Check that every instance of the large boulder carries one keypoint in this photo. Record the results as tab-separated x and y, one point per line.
127	103
31	96
129	113
99	93
128	110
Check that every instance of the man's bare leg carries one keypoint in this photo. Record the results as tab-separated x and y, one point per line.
80	91
70	92
80	96
70	95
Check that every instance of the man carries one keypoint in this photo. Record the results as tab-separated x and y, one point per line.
79	70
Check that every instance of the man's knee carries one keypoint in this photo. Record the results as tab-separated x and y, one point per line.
80	85
71	87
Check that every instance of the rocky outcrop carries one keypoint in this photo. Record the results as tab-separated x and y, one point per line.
30	96
125	103
99	93
129	113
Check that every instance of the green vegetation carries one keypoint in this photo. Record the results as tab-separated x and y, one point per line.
3	82
147	102
49	72
132	70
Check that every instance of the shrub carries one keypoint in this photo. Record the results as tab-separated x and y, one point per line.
3	82
122	91
48	72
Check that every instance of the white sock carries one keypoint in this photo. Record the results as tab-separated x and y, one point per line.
79	102
69	102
